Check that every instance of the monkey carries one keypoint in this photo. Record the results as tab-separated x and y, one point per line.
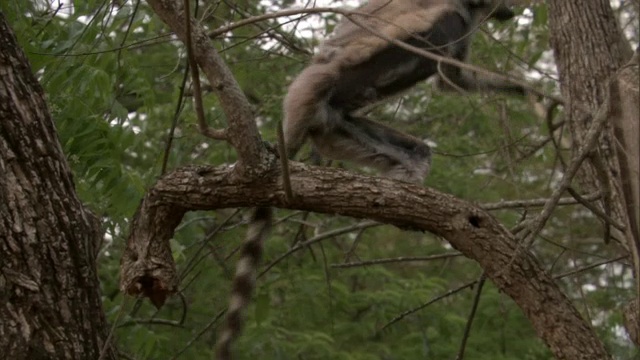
357	67
354	69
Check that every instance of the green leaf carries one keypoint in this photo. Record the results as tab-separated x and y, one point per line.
262	308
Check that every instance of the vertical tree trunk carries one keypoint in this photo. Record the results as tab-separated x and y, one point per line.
626	124
589	50
50	304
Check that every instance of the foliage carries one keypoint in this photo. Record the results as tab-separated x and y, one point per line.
114	78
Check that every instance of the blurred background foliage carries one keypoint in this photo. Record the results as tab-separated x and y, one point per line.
115	81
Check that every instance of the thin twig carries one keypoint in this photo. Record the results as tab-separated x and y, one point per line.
218	134
194	261
472	315
532	203
589	267
395	260
320	237
354	245
174	121
284	164
164	322
199	334
470	284
536	225
597	212
108	341
605	182
436	299
273	15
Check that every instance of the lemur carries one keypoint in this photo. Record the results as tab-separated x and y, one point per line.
353	69
356	68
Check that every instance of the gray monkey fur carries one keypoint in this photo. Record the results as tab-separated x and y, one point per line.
319	103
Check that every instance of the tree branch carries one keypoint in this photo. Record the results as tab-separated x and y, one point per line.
470	230
242	132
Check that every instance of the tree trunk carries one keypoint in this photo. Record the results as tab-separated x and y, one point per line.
589	51
50	304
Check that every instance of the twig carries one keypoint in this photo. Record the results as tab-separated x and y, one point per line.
320	237
174	121
354	245
470	284
450	82
589	267
108	341
194	261
603	178
514	204
395	260
199	334
273	29
542	143
436	299
472	315
599	213
218	134
166	322
284	164
273	15
590	142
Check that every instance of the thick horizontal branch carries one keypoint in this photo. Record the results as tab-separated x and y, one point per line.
469	229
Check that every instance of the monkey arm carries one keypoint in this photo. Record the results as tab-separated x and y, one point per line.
452	78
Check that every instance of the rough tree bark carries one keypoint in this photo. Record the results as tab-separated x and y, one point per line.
147	267
50	305
589	51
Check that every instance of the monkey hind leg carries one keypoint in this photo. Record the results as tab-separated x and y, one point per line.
397	155
305	104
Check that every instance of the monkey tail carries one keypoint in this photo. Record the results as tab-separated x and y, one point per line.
244	280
